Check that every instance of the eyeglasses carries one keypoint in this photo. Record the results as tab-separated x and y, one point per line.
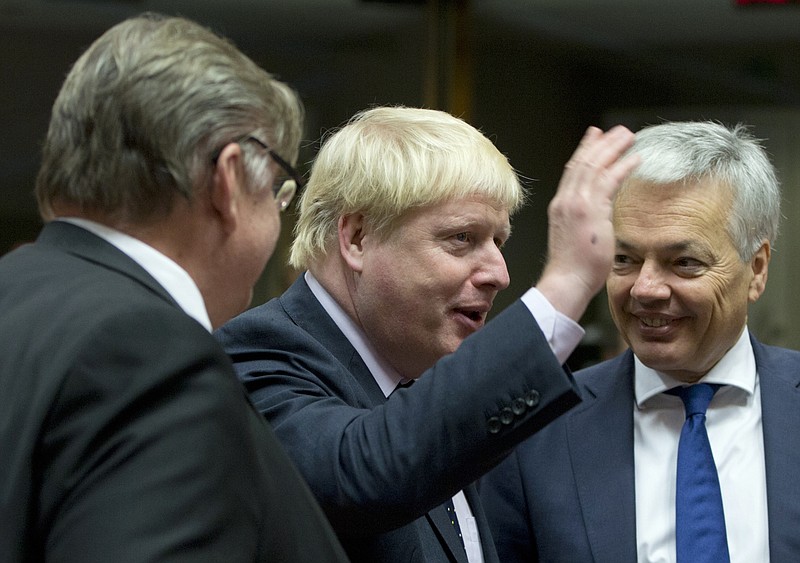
284	190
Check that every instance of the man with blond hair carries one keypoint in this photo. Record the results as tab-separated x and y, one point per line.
400	231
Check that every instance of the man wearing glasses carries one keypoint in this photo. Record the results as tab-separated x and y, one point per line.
283	189
124	433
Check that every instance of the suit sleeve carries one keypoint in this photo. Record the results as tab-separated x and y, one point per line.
375	468
151	454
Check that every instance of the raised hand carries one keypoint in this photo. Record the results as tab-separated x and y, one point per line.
580	234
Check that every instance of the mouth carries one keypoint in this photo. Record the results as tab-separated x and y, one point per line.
652	325
475	318
654	322
473	315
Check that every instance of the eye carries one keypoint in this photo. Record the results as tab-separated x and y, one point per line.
463	237
623	264
689	265
622	259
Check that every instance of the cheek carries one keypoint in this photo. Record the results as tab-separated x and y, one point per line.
263	241
729	293
270	242
618	292
731	306
270	230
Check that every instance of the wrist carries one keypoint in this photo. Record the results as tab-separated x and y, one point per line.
567	292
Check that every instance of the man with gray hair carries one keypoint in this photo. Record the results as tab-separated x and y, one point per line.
400	230
124	433
694	225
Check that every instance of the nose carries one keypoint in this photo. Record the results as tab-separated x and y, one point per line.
650	285
492	270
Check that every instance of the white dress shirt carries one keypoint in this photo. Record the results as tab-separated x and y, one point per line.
561	332
174	279
733	422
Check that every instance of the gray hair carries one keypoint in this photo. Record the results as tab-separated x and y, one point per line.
693	151
142	111
387	160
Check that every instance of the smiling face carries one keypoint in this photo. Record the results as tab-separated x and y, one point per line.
430	283
678	290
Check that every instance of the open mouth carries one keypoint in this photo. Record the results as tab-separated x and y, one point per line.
473	315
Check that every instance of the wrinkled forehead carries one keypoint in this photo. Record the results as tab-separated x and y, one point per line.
653	211
703	188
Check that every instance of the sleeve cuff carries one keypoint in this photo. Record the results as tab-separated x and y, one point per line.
562	333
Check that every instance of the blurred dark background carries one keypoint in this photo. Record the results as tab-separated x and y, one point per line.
531	74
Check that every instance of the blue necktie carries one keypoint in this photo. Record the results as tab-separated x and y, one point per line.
699	519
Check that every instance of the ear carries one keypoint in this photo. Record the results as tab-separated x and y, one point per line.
227	185
350	231
760	265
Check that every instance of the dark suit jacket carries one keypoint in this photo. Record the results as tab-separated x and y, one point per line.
567	494
380	468
124	433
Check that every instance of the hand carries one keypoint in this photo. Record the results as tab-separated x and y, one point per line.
580	234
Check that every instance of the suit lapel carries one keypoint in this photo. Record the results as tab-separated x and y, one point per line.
440	522
779	377
304	310
600	436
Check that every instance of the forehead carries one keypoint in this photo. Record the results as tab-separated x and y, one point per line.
471	211
703	203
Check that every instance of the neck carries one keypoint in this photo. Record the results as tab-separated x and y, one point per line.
339	281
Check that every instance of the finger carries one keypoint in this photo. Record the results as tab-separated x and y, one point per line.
610	147
604	166
595	153
590	137
617	172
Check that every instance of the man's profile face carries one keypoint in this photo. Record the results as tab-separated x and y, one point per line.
431	282
258	231
678	290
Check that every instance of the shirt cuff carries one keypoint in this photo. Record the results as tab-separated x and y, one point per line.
562	333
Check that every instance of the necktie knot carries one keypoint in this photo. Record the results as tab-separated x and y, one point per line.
696	398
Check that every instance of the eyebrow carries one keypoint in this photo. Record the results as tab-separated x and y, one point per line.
680	246
468	221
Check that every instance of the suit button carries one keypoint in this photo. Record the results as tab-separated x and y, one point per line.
532	398
506	416
494	425
518	406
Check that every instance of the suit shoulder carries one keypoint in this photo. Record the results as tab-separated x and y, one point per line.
255	321
779	353
602	369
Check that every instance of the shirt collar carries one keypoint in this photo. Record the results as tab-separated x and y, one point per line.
174	279
385	375
736	368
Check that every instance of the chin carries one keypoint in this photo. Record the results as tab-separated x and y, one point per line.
662	362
